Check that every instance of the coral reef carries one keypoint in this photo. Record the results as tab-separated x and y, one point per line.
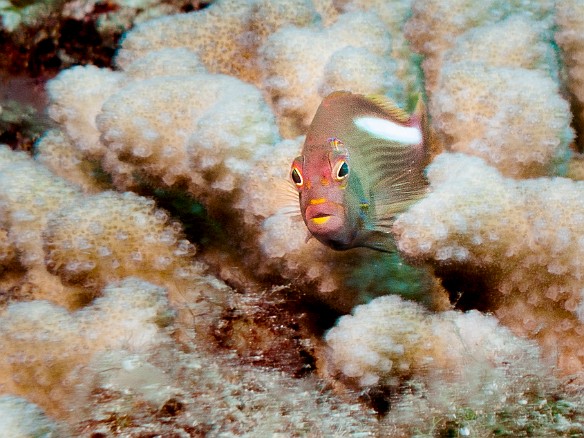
44	345
570	21
21	419
155	276
520	144
433	38
477	97
224	149
524	234
415	343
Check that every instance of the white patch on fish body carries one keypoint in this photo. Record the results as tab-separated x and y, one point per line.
388	130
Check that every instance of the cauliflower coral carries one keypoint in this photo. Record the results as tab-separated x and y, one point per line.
524	234
389	340
203	113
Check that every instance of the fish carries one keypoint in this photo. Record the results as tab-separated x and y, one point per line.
361	164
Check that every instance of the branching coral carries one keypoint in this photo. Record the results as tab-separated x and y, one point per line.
433	37
136	125
226	35
29	193
171	123
478	97
524	235
452	354
57	152
224	148
570	21
134	239
480	110
354	39
77	95
44	345
117	354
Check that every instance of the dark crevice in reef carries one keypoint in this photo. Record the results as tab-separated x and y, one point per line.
467	287
378	399
32	54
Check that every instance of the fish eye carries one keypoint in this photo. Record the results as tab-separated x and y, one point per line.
341	170
296	177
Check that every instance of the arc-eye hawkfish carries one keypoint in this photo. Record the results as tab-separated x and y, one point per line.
362	163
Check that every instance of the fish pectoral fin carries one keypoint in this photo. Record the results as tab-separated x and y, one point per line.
378	240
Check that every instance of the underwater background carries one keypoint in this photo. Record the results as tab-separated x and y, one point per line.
156	279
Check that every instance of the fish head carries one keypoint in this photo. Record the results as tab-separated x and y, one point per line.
322	176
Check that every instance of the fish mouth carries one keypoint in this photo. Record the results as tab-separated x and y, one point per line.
320	218
324	218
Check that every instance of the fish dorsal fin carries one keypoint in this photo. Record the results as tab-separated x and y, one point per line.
389	107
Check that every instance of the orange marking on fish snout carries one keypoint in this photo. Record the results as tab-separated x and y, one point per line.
324	181
317	201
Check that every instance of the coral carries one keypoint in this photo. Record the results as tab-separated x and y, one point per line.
522	237
203	114
15	13
394	15
197	395
480	111
360	274
114	363
134	125
527	45
224	150
296	89
44	346
477	97
57	152
29	193
389	340
76	97
432	37
569	36
226	35
165	62
278	34
83	246
21	419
